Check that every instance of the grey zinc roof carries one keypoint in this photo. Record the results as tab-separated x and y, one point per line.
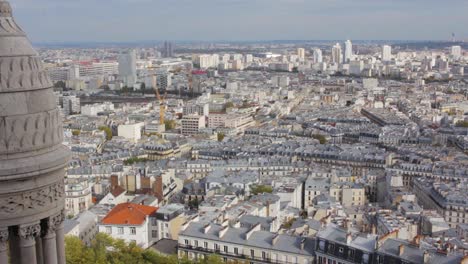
69	224
258	239
337	234
415	254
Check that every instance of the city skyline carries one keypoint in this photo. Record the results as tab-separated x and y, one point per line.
240	20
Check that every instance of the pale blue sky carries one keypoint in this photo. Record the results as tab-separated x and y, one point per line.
133	20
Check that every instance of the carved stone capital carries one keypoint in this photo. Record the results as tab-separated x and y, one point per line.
29	231
4	235
53	223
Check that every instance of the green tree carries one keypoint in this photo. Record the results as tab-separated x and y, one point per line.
60	84
320	138
221	137
169	124
462	124
258	189
107	250
213	259
107	130
229	105
76	252
134	160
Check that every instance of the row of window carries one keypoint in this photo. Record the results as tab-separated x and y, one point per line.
253	253
120	230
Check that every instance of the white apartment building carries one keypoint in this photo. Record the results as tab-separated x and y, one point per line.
78	196
131	223
131	131
197	241
192	124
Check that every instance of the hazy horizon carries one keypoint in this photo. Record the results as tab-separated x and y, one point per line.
63	21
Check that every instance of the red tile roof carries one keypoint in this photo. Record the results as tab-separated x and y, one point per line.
128	214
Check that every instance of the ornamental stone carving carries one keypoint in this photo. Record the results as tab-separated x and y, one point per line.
30	132
29	231
53	223
4	235
32	201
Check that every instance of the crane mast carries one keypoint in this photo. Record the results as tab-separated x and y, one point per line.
162	104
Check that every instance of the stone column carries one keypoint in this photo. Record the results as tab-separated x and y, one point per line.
60	239
4	245
49	239
39	255
27	243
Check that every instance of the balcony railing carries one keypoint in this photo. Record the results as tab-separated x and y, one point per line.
237	256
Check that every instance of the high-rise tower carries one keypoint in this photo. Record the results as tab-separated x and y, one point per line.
348	54
32	157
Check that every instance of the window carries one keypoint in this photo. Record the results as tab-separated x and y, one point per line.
109	230
341	250
205	244
132	230
186	241
216	247
196	243
236	251
120	230
225	249
264	255
331	248
252	253
154	233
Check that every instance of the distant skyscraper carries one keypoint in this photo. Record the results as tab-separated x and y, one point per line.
386	53
168	50
127	68
301	54
318	56
348	51
456	52
337	55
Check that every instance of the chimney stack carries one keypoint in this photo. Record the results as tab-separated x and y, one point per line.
274	240
349	238
303	243
401	250
426	257
206	228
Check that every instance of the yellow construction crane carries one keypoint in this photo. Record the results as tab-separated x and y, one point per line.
162	105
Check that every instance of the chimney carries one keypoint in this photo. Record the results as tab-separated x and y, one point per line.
274	240
464	260
401	250
206	228
303	243
426	257
349	238
184	226
114	181
223	231
225	223
256	227
417	240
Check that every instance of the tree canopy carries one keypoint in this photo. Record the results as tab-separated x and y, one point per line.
320	138
107	130
258	189
105	249
462	124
